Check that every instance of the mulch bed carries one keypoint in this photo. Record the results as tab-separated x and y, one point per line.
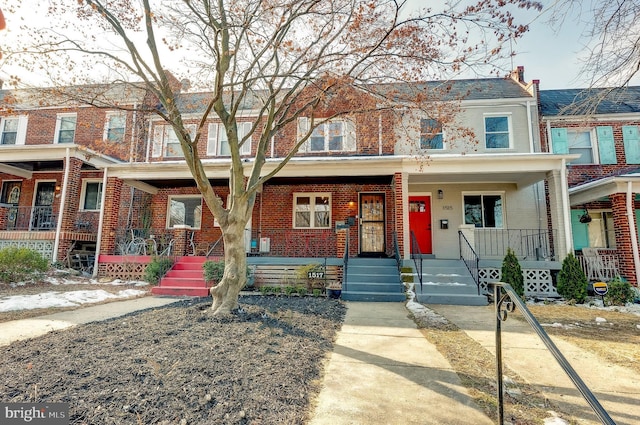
180	365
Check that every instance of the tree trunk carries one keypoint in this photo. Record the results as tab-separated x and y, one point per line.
225	293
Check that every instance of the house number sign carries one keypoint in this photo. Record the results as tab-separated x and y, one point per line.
315	275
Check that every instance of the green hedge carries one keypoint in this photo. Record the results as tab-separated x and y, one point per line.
21	264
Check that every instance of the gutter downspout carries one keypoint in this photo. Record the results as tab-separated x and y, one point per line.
565	207
100	221
63	198
632	230
380	133
531	145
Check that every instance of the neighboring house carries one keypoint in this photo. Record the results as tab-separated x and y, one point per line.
396	182
602	127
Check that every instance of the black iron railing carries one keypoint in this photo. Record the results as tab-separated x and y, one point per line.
30	218
470	258
527	244
345	261
506	300
416	256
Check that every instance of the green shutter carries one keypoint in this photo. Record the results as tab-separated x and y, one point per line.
638	224
580	230
631	140
606	145
559	140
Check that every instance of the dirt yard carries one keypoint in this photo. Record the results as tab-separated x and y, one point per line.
179	365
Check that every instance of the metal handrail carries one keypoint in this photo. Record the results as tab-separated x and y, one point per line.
507	302
215	244
470	258
415	255
345	261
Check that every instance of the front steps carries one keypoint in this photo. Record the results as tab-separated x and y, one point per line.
373	279
185	278
447	282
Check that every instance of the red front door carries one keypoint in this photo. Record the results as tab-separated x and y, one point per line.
420	221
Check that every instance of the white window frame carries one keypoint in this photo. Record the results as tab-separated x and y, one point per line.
83	194
482	194
217	139
441	133
197	221
312	209
21	131
593	138
163	133
107	125
349	140
59	119
601	229
506	115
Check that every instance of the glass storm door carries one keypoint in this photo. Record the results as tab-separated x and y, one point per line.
372	233
42	215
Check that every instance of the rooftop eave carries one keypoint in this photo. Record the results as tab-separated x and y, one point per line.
26	153
598	189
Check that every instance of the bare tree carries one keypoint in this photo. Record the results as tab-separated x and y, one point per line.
611	36
288	57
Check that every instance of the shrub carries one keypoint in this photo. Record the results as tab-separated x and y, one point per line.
572	282
264	289
317	292
20	264
157	268
619	293
512	272
214	270
290	290
302	291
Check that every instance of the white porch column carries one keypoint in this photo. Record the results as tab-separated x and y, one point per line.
559	212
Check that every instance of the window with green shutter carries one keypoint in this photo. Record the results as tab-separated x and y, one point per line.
631	139
559	140
606	145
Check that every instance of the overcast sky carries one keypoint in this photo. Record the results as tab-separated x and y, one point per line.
548	55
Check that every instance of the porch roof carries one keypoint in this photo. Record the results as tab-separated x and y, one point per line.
597	189
23	160
519	169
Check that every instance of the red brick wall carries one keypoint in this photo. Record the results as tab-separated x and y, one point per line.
623	237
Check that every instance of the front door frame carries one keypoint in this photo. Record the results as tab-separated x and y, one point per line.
430	209
42	221
380	248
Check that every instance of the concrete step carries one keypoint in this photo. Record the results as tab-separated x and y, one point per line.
180	291
447	282
373	296
386	287
452	299
182	282
191	274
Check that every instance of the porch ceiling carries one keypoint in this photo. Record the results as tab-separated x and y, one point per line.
595	190
23	160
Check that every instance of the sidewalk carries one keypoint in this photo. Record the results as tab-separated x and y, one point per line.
383	371
17	330
616	388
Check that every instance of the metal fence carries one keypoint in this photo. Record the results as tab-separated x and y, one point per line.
527	244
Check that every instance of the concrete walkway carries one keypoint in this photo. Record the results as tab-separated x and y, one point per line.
616	388
383	371
17	330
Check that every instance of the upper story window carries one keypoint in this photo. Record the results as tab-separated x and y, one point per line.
115	126
65	128
431	136
484	210
312	210
497	131
337	135
594	145
218	142
91	197
184	211
166	143
13	130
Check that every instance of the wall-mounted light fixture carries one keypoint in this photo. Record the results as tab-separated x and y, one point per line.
440	194
352	204
58	188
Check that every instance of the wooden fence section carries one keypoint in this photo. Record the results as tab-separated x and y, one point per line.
280	275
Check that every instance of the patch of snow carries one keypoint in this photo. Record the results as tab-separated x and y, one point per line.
443	284
420	311
62	299
554	419
600	320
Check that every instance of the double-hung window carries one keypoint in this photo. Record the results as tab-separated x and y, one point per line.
218	142
166	143
312	210
115	126
13	130
65	128
431	134
91	198
497	131
337	135
580	142
184	211
484	210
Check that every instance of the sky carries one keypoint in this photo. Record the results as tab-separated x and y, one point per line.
547	54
